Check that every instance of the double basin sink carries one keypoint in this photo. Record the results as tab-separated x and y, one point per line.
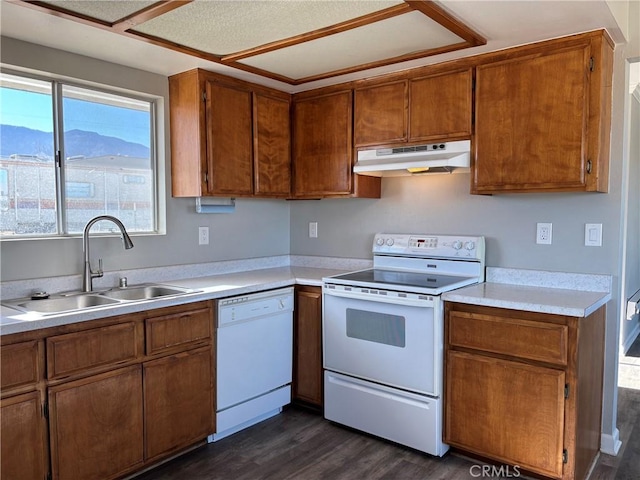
75	301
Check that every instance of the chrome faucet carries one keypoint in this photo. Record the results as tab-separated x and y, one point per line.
88	274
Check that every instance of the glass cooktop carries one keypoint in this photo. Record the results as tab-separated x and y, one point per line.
410	281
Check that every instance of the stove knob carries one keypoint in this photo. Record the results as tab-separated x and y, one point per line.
470	245
457	245
380	241
389	242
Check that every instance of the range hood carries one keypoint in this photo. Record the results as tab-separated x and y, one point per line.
445	157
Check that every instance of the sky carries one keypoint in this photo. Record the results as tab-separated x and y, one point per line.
34	110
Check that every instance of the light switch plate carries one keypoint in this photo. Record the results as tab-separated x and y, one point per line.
313	229
593	235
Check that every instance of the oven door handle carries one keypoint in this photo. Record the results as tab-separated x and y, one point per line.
372	297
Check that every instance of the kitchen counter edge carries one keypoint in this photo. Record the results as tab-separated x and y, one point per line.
558	301
206	288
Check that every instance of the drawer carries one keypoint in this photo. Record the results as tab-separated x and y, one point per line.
527	339
168	332
86	350
20	365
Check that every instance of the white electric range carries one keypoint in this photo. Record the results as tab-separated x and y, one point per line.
383	336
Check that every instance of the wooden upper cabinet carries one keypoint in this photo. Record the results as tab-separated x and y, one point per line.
323	148
440	106
543	118
271	145
322	155
228	137
436	106
380	114
229	140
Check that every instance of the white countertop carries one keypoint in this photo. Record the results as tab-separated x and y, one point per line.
561	301
209	287
575	295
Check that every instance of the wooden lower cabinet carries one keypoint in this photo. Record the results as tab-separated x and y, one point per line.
307	381
178	401
23	447
122	393
524	389
97	425
521	408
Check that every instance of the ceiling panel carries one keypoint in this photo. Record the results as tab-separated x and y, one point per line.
394	37
292	41
224	27
106	10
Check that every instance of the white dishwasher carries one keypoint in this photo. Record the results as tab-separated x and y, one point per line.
254	351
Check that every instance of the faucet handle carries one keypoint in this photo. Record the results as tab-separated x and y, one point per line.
98	272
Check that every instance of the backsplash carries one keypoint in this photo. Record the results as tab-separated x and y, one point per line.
24	288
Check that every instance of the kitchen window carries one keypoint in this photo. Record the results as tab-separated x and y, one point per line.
69	153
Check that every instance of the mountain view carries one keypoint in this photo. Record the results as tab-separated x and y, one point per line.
25	141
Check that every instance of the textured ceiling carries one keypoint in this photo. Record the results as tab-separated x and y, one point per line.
505	24
293	41
224	27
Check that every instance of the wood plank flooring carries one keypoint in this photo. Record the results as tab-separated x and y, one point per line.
301	445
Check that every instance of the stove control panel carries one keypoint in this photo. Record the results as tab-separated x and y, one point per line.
417	245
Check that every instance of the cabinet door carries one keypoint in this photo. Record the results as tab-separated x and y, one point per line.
19	365
179	330
272	146
506	410
322	154
96	425
380	114
229	140
178	401
531	123
97	348
440	106
307	382
23	448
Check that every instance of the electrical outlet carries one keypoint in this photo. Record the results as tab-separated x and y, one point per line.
543	233
313	229
203	235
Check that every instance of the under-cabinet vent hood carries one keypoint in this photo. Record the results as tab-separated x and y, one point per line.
446	157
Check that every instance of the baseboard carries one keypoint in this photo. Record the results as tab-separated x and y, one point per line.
626	344
610	444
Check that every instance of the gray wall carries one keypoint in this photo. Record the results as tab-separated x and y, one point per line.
232	236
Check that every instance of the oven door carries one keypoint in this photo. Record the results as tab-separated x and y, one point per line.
385	339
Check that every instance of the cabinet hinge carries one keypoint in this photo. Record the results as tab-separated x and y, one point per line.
206	177
588	166
565	456
566	390
45	410
591	64
204	96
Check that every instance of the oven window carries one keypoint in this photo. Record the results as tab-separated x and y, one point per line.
376	327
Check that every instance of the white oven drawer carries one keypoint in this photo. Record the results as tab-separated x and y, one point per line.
405	418
396	345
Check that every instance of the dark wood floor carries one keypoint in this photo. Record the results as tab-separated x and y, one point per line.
301	445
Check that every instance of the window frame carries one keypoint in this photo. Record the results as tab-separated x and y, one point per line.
156	115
